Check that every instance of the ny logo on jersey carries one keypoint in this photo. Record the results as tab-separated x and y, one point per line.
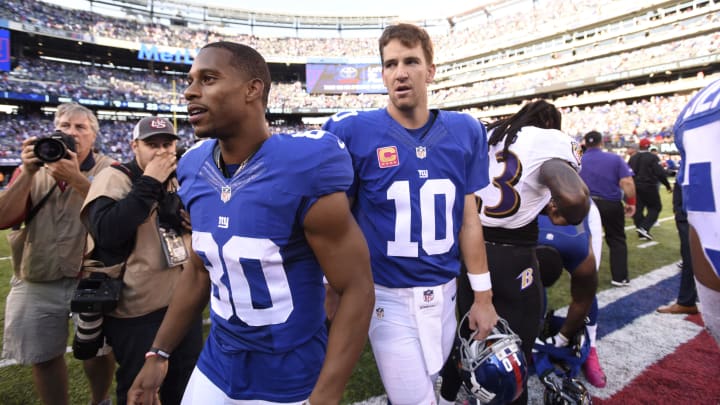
423	173
223	222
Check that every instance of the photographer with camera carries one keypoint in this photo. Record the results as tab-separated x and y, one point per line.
46	193
134	218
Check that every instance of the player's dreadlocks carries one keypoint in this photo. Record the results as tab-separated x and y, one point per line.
538	113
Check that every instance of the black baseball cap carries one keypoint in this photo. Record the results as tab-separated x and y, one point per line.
151	126
593	138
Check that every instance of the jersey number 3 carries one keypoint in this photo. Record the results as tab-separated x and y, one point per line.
509	197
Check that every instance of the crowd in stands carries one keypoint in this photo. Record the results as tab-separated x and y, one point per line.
504	79
546	18
45	77
626	35
113	139
516	73
621	123
625	123
499	78
52	78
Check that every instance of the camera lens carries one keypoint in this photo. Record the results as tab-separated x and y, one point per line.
50	150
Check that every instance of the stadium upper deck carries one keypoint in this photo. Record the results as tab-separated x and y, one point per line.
476	33
489	57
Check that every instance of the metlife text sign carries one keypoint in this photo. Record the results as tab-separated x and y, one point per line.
174	55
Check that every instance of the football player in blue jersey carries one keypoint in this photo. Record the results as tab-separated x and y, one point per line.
573	248
533	169
415	174
270	216
697	132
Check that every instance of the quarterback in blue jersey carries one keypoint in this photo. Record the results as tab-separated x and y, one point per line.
697	133
415	174
270	217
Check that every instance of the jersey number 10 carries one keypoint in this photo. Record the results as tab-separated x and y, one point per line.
403	245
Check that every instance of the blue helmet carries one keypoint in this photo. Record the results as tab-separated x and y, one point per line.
493	370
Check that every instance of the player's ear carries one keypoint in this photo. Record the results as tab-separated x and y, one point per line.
553	212
431	74
255	89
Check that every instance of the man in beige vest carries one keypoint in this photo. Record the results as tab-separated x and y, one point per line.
134	218
50	256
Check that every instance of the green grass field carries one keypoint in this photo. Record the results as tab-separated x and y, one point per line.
16	386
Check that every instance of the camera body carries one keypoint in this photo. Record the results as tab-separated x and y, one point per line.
97	293
54	147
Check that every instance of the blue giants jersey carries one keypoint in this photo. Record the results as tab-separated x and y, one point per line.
267	290
571	241
697	136
409	191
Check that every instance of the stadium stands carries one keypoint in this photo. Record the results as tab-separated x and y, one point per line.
620	67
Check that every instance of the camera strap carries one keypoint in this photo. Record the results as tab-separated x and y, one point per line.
34	210
130	169
122	270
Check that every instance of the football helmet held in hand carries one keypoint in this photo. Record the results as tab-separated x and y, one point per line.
494	370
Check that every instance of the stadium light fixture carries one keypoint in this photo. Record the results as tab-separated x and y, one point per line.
8	108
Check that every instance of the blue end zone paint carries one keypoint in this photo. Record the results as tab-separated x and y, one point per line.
714	256
625	310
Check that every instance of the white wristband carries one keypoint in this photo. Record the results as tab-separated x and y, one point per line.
561	340
480	282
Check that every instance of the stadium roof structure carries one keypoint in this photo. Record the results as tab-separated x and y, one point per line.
215	13
229	11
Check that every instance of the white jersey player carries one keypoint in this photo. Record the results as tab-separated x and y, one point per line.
697	133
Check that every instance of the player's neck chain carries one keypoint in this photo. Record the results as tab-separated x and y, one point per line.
220	163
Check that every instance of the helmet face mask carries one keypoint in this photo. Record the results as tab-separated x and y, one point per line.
564	391
493	370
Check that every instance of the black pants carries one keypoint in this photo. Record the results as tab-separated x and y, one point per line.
517	297
131	338
612	216
687	295
648	198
